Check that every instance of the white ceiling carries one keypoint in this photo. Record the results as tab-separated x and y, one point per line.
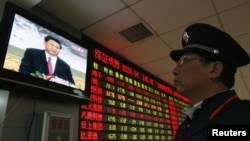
103	19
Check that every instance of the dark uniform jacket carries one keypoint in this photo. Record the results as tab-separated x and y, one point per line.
223	109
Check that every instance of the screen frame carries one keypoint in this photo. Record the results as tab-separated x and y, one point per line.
16	81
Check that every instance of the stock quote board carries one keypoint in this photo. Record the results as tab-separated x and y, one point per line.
128	103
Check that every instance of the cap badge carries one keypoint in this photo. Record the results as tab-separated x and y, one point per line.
185	37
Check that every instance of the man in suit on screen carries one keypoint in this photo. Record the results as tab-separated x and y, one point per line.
46	61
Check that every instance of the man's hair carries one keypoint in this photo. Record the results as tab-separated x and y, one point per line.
228	73
47	38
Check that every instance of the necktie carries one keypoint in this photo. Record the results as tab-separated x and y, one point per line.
50	66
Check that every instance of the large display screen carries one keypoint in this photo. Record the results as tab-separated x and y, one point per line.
26	44
127	103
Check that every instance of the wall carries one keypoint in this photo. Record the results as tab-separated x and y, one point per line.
4	96
20	110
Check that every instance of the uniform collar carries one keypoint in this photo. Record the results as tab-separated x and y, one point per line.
190	109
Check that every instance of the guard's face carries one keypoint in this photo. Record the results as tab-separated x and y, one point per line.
190	75
52	47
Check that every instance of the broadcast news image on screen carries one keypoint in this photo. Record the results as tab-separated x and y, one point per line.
27	34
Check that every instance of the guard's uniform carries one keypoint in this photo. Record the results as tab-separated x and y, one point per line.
220	109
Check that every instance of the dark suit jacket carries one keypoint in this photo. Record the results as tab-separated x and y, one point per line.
235	112
35	60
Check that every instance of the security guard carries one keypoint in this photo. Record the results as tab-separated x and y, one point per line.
205	73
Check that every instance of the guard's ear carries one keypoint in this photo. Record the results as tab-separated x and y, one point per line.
216	69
